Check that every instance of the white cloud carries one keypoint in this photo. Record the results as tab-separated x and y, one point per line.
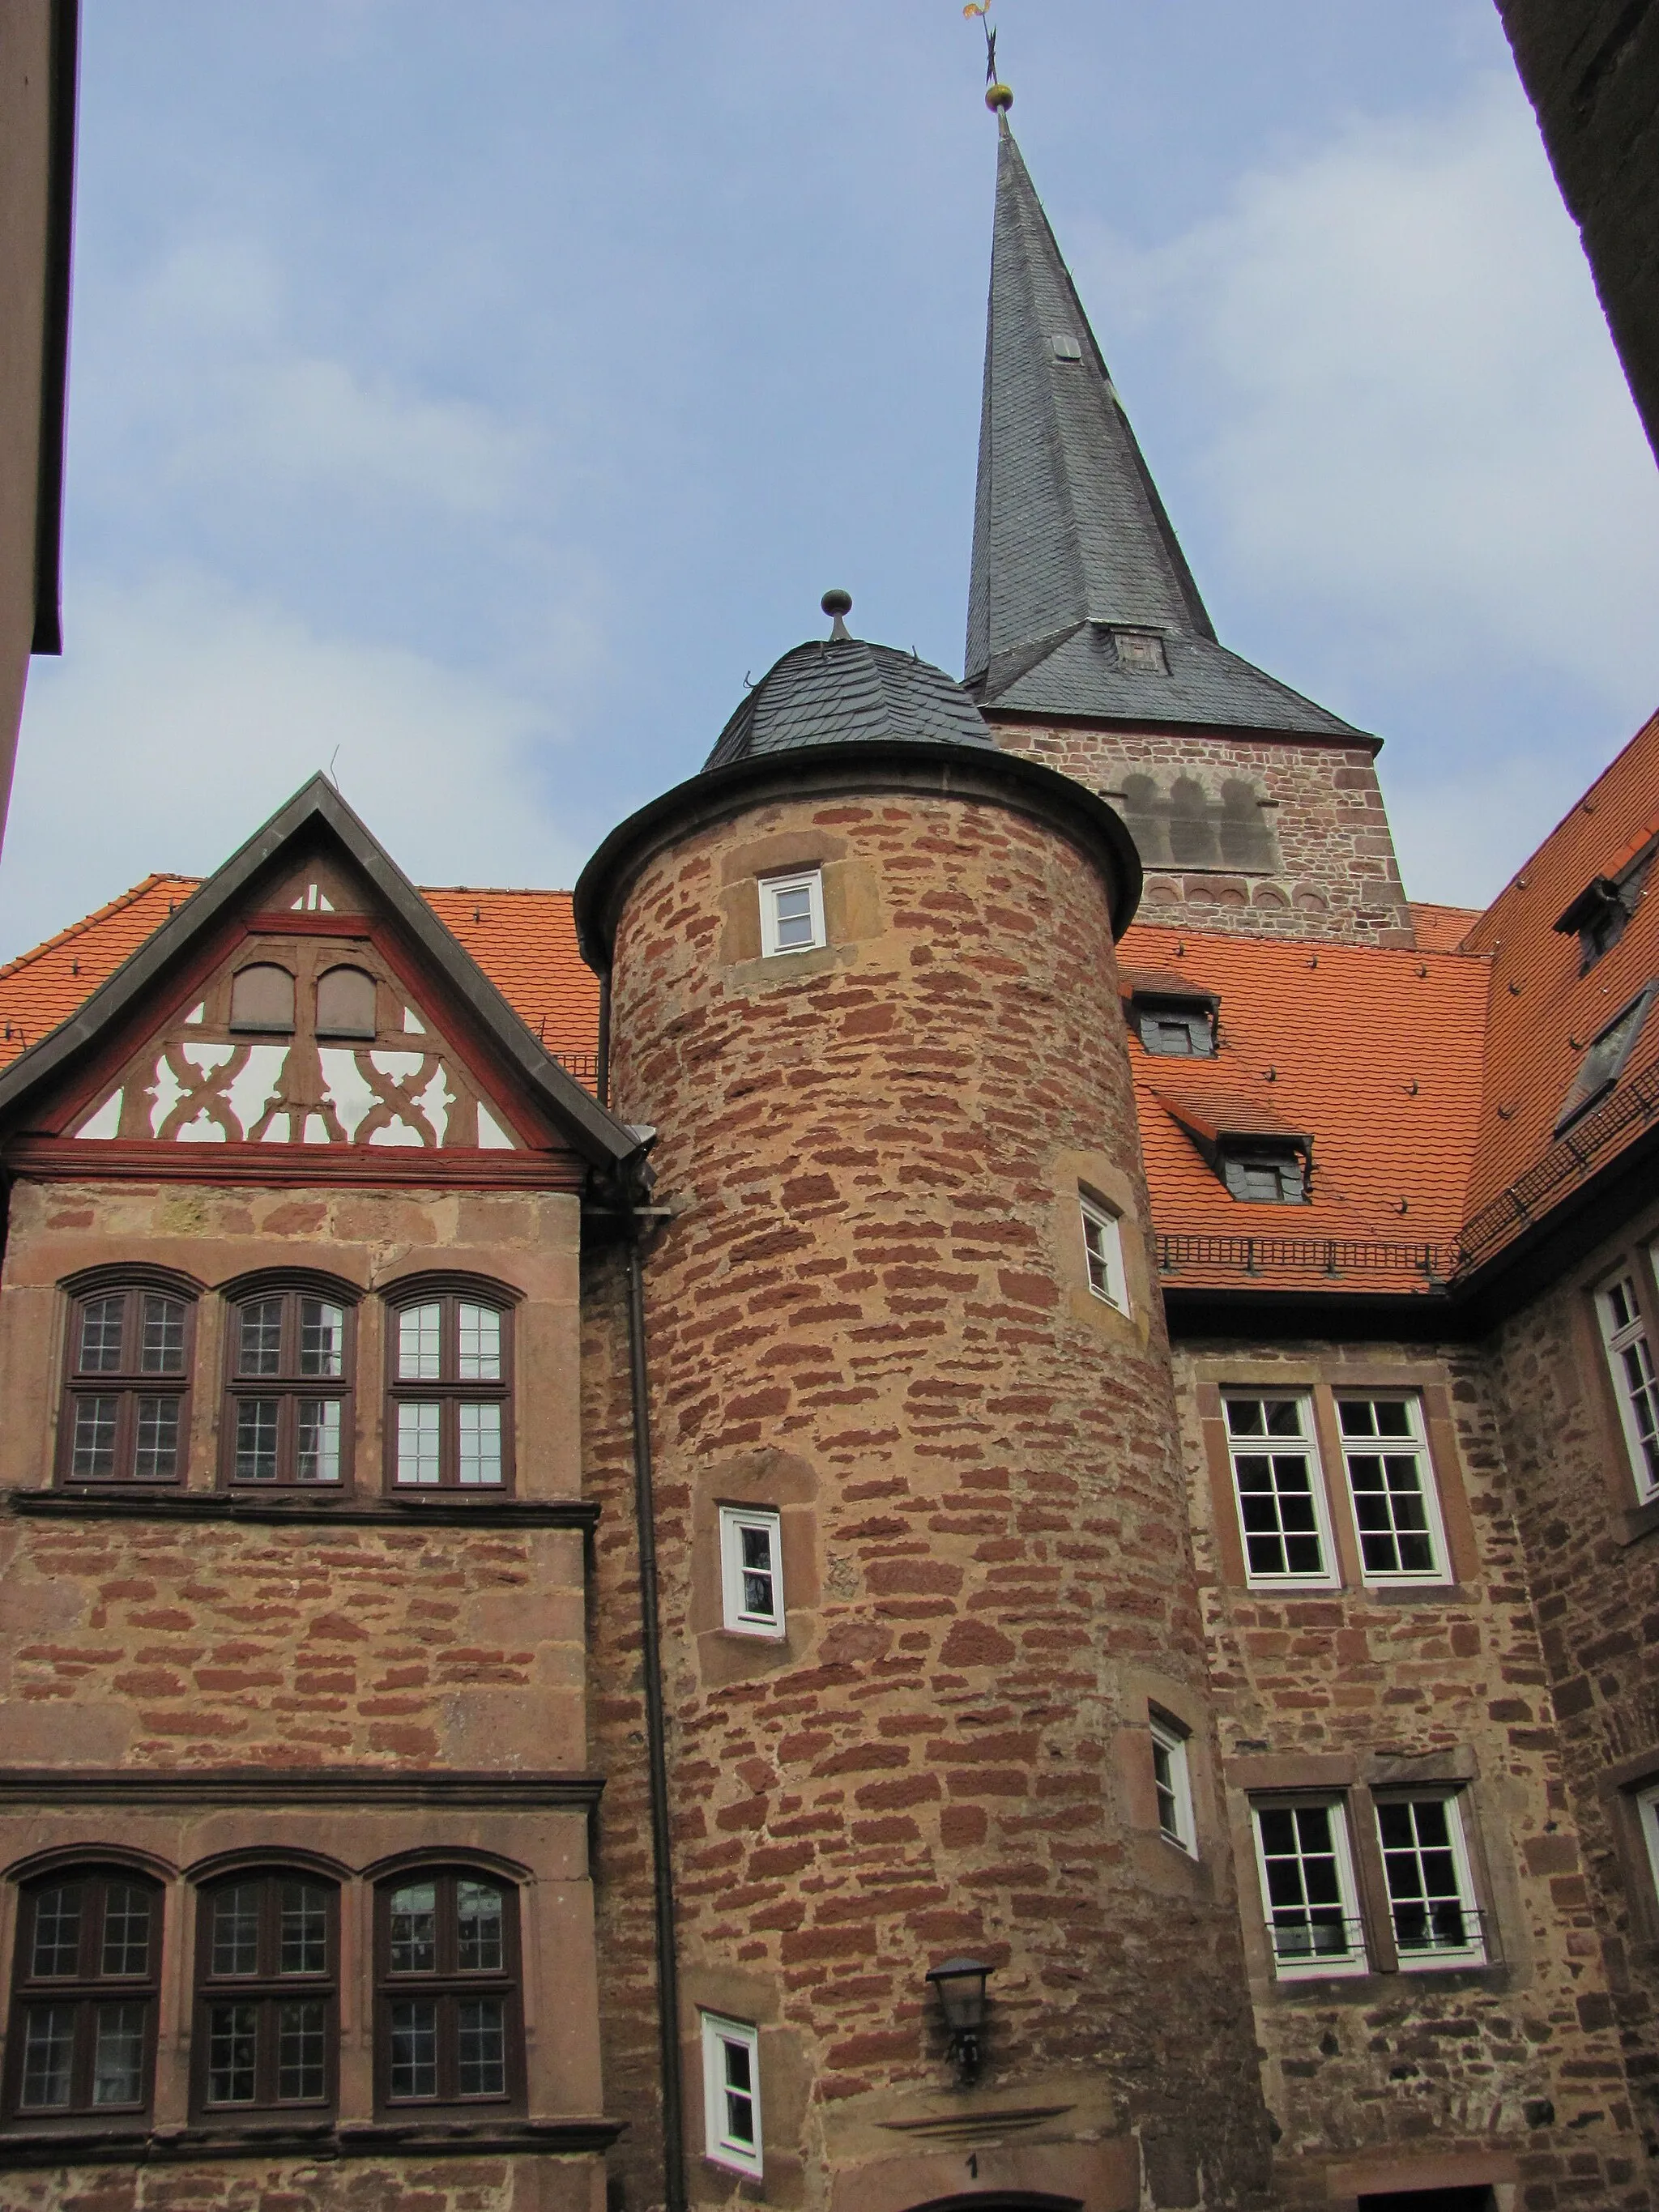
186	715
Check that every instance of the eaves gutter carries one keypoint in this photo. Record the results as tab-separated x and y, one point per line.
64	66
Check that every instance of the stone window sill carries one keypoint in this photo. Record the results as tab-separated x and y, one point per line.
104	2146
1371	1988
1637	1521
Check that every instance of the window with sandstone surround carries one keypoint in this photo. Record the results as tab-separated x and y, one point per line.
1396	1507
1647	1813
1308	1888
449	1413
267	2000
126	1387
448	2020
751	1570
791	913
289	1355
1425	1864
1279	1490
82	2043
1627	1334
1172	1783
1102	1248
731	2094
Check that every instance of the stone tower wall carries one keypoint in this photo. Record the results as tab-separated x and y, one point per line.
871	1312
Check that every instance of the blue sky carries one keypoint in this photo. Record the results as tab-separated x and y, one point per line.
470	397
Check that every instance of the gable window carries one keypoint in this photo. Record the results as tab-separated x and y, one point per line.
1630	1358
1307	1886
1172	1784
124	1405
449	1422
1605	1059
82	2035
345	1004
751	1570
265	2001
1391	1482
262	997
447	1966
288	1394
731	2094
1279	1489
1102	1248
1265	1175
1431	1894
791	912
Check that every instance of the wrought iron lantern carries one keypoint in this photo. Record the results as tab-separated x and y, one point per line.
961	1986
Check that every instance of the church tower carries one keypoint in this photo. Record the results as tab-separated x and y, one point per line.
1089	646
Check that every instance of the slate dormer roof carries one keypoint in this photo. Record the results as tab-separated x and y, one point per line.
1081	603
843	690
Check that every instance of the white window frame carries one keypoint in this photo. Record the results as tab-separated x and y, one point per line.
1414	1445
1102	1254
1172	1777
1444	1958
735	1521
1329	1966
720	2035
1621	1342
808	879
1327	1578
1647	1813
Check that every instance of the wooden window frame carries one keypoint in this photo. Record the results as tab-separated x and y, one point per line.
1616	1339
1096	1215
811	881
1171	1738
450	1293
88	1988
265	1988
1454	1959
446	1986
1440	1576
1333	1966
288	1386
1330	1577
720	2147
128	1384
735	1617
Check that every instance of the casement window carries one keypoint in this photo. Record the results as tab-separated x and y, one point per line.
1307	1886
731	2094
1279	1491
447	2030
1103	1251
1391	1482
1430	1892
1172	1784
88	1964
1647	1813
288	1415
1629	1343
791	913
449	1419
129	1356
751	1570
266	1994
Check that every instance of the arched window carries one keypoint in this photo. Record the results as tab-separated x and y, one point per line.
83	2039
128	1365
345	1004
289	1349
449	1419
447	1966
262	997
267	2032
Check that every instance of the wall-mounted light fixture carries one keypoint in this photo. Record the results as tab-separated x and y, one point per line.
961	1986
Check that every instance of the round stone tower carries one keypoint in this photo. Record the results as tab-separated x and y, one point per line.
931	1636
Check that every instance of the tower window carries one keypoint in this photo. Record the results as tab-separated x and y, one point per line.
1172	1784
1140	652
1629	1343
1102	1248
791	913
731	2094
751	1570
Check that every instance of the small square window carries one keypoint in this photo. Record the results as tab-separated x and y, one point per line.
751	1570
731	2094
1102	1247
791	913
1173	1783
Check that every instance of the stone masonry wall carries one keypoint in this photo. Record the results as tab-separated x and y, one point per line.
871	1311
370	2184
1512	2071
1338	878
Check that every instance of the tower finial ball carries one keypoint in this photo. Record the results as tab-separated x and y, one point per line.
837	603
999	98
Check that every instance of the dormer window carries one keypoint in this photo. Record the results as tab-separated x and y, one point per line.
1600	914
1260	1178
1139	652
1605	1059
1260	1160
1172	1018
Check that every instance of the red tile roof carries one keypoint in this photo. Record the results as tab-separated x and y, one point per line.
1441	929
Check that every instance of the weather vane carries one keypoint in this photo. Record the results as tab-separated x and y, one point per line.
998	97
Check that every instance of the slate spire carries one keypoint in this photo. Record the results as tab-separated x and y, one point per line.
1081	601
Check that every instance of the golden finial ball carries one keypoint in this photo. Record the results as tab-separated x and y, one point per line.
999	98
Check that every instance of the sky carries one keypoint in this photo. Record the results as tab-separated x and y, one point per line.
465	400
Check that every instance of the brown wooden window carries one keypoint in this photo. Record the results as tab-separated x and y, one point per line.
449	2028
267	1994
128	1370
82	2038
345	1004
449	1423
289	1411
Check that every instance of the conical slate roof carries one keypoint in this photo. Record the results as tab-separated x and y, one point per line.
1081	601
842	691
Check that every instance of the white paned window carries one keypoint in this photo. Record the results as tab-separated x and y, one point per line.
1630	1357
1431	1894
751	1570
1395	1508
420	1342
791	913
1102	1247
1647	1811
1173	1785
480	1334
420	1432
731	2094
480	1443
1280	1491
1308	1888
